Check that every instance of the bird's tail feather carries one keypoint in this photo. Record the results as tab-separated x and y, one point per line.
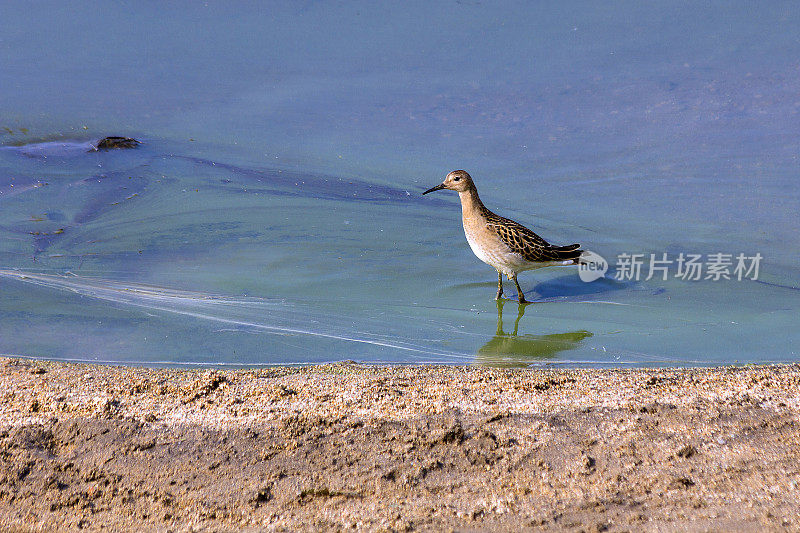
565	253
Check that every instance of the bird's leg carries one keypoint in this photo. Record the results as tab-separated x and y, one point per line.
520	294
499	285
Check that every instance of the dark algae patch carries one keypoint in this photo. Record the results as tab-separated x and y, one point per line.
114	143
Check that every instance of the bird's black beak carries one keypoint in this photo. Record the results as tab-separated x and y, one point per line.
437	188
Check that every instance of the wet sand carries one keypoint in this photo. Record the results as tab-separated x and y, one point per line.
398	448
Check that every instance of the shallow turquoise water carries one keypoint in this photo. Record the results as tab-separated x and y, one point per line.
273	213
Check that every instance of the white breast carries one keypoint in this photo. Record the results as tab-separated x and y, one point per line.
480	252
493	251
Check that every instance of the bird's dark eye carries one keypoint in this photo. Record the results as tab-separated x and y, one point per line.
456	179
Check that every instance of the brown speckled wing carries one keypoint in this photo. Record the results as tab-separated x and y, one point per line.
526	243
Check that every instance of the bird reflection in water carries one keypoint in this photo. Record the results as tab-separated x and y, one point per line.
512	350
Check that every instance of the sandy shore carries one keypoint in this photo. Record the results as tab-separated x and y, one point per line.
398	448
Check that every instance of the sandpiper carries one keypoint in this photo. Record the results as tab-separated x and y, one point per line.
504	244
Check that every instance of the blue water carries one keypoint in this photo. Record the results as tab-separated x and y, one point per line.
273	213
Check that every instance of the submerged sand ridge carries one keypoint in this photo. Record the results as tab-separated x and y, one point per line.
398	448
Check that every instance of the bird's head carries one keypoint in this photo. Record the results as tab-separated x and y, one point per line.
457	180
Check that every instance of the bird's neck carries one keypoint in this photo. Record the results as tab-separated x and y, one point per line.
471	205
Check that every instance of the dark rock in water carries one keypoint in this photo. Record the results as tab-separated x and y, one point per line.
111	143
